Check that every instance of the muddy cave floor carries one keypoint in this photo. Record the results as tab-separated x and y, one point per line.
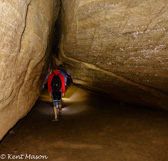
91	129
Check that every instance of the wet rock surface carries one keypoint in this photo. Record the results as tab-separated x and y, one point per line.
118	48
25	27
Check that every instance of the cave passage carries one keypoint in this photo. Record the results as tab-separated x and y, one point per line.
91	128
122	43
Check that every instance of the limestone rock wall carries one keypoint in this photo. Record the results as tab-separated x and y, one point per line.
25	32
118	47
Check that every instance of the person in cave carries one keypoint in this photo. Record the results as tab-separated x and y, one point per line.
56	88
64	73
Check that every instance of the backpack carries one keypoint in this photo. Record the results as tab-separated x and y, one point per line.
56	83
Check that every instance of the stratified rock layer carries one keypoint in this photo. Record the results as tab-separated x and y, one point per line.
25	27
118	48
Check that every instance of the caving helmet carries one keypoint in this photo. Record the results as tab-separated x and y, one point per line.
55	68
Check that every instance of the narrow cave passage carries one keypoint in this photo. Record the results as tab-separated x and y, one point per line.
116	41
91	128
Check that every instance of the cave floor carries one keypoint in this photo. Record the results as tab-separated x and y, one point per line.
91	129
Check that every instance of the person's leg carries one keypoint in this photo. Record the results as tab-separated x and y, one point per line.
55	105
60	104
60	108
55	111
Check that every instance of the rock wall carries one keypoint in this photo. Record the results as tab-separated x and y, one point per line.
118	48
25	27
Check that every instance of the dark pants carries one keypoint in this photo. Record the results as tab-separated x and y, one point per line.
56	98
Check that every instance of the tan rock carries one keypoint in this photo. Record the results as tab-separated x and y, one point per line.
122	43
25	27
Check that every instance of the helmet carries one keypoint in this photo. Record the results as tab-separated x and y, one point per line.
55	68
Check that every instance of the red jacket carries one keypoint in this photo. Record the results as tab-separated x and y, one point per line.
50	80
